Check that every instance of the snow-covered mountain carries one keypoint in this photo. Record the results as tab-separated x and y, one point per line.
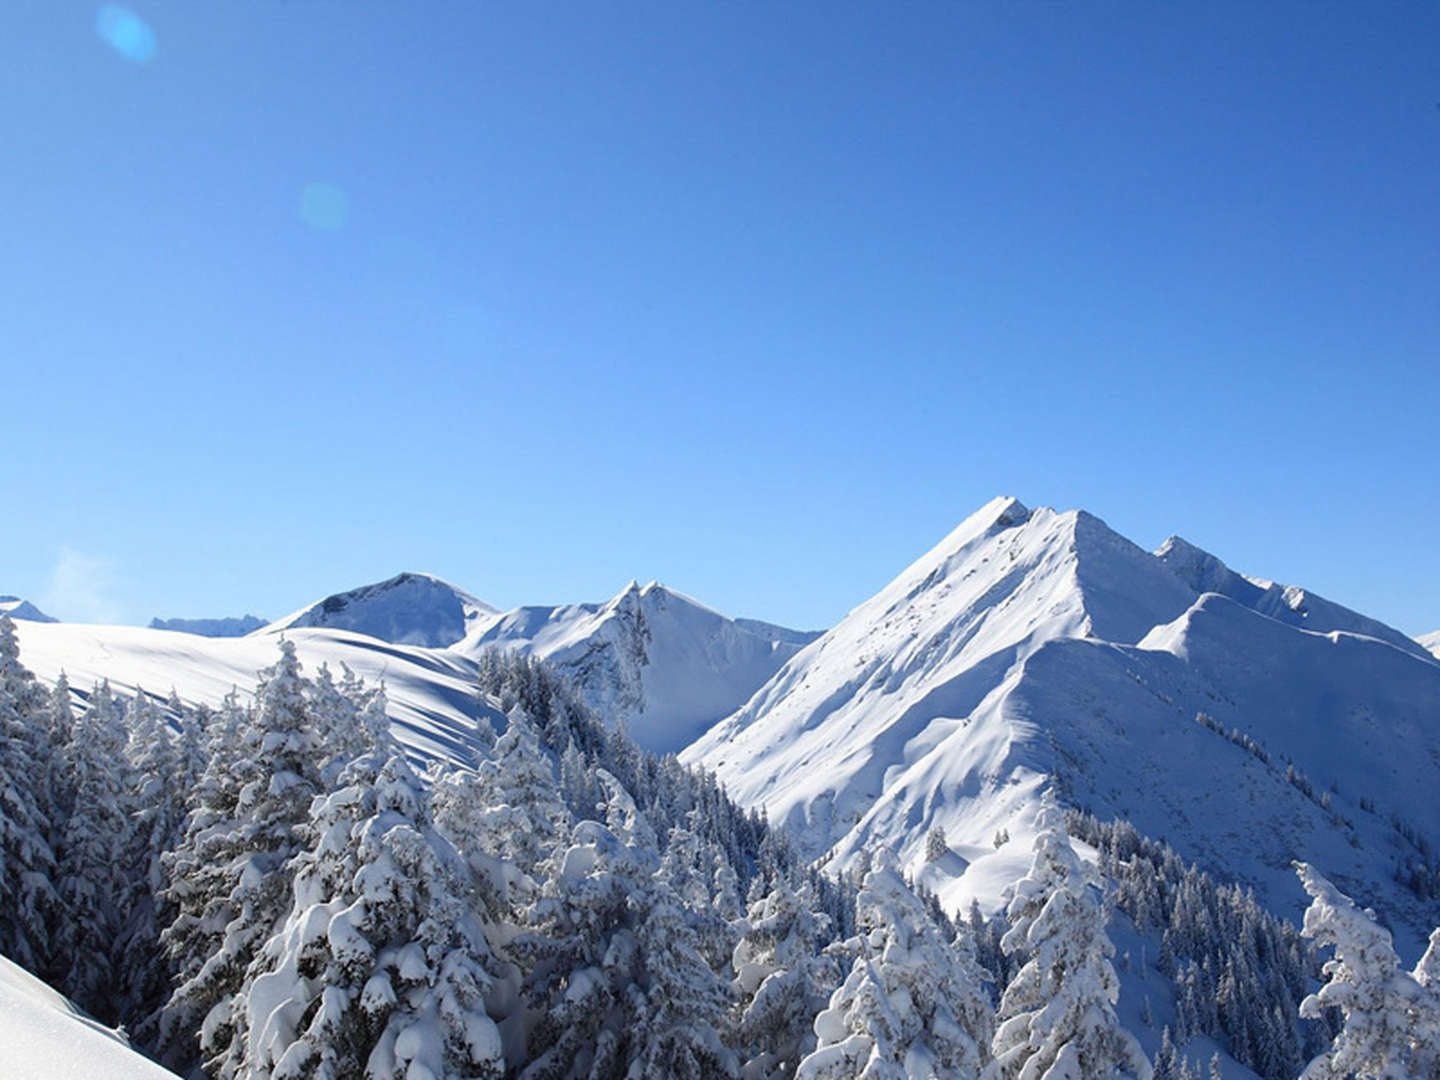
17	608
1035	644
667	665
408	609
1431	642
231	626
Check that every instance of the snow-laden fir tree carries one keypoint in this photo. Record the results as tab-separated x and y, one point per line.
579	950
697	871
157	809
504	817
91	875
247	889
27	898
912	1005
783	978
196	896
381	968
678	1029
1057	1016
1391	1022
517	784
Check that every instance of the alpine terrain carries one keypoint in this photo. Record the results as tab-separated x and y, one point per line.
1247	723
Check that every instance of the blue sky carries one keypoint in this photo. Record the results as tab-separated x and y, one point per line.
757	299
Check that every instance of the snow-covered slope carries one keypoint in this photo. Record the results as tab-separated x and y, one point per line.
22	609
1035	644
667	665
1289	604
408	609
1431	642
44	1037
231	626
431	691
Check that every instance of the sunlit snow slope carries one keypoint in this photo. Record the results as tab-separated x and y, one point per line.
1431	642
408	609
44	1037
1031	644
431	691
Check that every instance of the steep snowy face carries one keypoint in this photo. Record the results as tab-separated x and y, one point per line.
1289	604
666	665
824	739
408	609
22	609
1032	645
1431	642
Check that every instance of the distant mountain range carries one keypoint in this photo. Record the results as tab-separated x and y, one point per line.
1246	722
227	627
17	608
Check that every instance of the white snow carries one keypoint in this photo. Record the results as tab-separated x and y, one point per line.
431	691
1034	643
42	1035
1431	642
665	664
408	609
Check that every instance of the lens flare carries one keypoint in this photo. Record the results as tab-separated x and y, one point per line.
126	33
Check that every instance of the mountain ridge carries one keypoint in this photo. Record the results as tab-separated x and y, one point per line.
1034	649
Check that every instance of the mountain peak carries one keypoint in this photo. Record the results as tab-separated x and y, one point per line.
410	608
17	608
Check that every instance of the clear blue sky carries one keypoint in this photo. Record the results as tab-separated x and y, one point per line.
758	299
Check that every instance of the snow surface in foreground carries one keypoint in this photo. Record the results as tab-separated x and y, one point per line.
44	1037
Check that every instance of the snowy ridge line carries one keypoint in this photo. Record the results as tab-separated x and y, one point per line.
1029	643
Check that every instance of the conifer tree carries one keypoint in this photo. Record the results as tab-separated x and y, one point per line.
783	978
1390	1019
380	969
27	898
1057	1017
247	889
911	1006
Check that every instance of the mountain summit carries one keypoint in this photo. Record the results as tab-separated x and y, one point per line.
1035	649
661	662
408	609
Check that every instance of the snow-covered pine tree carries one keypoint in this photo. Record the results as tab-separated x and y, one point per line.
91	873
518	783
1390	1019
912	1006
678	1030
1057	1016
27	898
783	978
156	812
704	884
936	846
247	889
196	896
381	968
579	950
